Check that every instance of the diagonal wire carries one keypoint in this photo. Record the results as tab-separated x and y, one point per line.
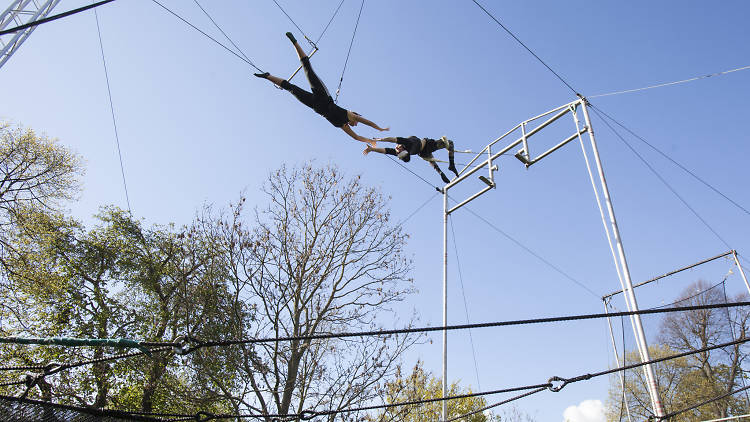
207	36
329	22
112	110
670	83
291	20
536	255
402	222
410	171
656	173
356	25
524	46
466	306
222	32
663	154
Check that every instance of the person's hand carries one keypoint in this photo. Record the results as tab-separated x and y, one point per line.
367	150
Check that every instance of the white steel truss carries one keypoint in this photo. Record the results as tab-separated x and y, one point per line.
20	12
485	159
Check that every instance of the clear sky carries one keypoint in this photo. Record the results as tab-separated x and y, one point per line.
195	126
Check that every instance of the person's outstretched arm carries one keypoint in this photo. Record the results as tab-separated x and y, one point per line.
391	139
354	117
351	133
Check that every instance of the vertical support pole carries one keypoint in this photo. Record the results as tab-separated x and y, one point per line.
742	272
489	165
525	143
617	358
640	336
445	302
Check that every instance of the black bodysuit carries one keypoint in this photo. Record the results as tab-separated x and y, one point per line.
319	99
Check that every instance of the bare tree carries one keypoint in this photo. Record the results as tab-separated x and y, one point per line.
696	378
322	257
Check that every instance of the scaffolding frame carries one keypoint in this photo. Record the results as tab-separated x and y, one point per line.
485	159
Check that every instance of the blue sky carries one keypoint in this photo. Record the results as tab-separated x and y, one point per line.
195	127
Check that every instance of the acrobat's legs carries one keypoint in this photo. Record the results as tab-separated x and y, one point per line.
434	165
300	52
449	147
354	117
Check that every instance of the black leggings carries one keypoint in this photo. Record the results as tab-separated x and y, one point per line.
318	98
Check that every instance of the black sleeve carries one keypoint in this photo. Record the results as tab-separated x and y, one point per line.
391	151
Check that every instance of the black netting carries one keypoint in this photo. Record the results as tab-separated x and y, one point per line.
23	410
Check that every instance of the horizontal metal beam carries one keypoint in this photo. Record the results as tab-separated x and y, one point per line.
671	273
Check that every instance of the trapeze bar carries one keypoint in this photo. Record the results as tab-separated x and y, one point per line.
555	148
315	50
671	273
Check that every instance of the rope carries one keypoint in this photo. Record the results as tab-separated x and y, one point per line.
329	22
54	17
112	110
539	257
538	390
53	367
466	306
119	414
208	36
199	344
554	384
675	413
420	177
222	32
734	337
417	210
524	46
75	342
341	80
663	154
656	173
293	22
670	83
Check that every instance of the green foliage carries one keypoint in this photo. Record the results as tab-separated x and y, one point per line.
117	280
695	378
421	385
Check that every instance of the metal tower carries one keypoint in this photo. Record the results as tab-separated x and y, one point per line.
485	159
18	13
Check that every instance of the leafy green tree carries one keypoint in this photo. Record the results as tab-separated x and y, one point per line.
116	280
420	385
696	378
35	172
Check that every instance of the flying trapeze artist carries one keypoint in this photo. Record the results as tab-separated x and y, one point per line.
320	100
405	147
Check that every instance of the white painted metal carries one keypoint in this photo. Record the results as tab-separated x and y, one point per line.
445	303
630	295
617	360
742	272
18	13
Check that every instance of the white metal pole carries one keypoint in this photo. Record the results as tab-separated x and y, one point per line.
445	302
617	360
630	295
742	272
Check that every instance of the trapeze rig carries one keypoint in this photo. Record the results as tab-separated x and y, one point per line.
20	12
486	159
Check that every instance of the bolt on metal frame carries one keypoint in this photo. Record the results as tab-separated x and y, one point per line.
486	158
